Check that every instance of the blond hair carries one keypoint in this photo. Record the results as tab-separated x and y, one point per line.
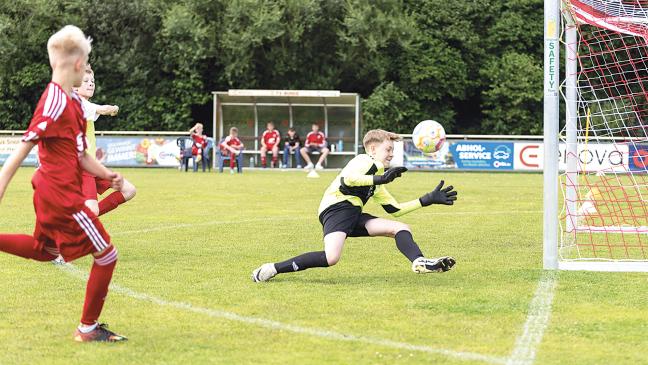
88	69
233	129
68	44
377	136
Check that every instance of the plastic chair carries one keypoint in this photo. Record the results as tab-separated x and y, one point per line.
225	156
185	144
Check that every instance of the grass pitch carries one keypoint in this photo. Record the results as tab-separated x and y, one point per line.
189	241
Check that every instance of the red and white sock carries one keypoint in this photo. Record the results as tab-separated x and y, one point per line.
98	282
232	160
111	202
23	245
263	161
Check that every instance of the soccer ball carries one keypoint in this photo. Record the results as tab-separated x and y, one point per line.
428	136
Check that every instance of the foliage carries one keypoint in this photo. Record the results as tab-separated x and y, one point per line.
159	60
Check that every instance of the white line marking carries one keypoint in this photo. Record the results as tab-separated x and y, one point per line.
209	223
330	335
276	219
537	321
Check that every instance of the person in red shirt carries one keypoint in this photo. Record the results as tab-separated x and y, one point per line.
199	144
64	224
270	143
233	146
315	142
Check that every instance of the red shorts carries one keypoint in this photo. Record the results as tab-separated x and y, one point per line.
91	186
269	147
74	234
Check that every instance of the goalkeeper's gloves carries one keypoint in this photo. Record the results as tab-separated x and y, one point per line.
389	175
445	196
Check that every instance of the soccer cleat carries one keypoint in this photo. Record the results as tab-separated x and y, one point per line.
309	166
423	265
59	260
299	166
99	334
319	167
264	273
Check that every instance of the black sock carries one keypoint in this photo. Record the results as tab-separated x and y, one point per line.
406	245
302	262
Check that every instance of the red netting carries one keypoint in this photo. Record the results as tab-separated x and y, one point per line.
608	218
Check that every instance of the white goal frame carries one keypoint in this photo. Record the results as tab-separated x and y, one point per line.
551	90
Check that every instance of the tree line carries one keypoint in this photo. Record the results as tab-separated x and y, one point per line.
474	65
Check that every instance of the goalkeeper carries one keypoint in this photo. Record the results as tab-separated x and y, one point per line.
340	212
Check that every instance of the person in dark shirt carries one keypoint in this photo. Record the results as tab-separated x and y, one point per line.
292	143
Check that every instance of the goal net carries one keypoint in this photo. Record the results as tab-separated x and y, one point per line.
604	144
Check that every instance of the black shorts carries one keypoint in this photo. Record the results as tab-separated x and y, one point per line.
311	149
345	217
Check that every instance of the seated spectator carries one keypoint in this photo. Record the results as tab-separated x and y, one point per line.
292	143
270	143
315	142
199	144
232	146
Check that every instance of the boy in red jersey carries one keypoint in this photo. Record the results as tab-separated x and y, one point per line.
233	146
315	142
64	224
270	143
199	144
93	186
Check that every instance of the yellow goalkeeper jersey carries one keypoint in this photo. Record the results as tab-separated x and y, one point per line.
90	114
355	185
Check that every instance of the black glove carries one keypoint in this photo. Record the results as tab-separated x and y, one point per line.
389	175
439	196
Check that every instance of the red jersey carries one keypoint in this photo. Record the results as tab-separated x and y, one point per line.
199	141
230	141
271	138
58	126
317	138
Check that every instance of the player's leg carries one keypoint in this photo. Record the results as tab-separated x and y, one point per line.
275	155
298	157
263	151
333	244
405	244
323	153
304	153
286	154
25	246
232	161
86	235
112	201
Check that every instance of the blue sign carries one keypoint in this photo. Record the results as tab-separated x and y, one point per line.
483	155
638	158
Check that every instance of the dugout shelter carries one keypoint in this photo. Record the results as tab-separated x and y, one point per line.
337	113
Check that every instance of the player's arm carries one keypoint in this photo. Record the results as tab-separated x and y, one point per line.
362	179
391	206
111	110
439	195
11	165
92	166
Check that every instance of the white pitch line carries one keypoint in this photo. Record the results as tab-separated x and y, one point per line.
536	323
261	322
199	224
255	220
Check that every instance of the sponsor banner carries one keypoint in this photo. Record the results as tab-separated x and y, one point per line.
483	155
638	157
592	157
138	151
8	144
414	159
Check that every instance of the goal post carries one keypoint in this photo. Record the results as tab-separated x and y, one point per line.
601	220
